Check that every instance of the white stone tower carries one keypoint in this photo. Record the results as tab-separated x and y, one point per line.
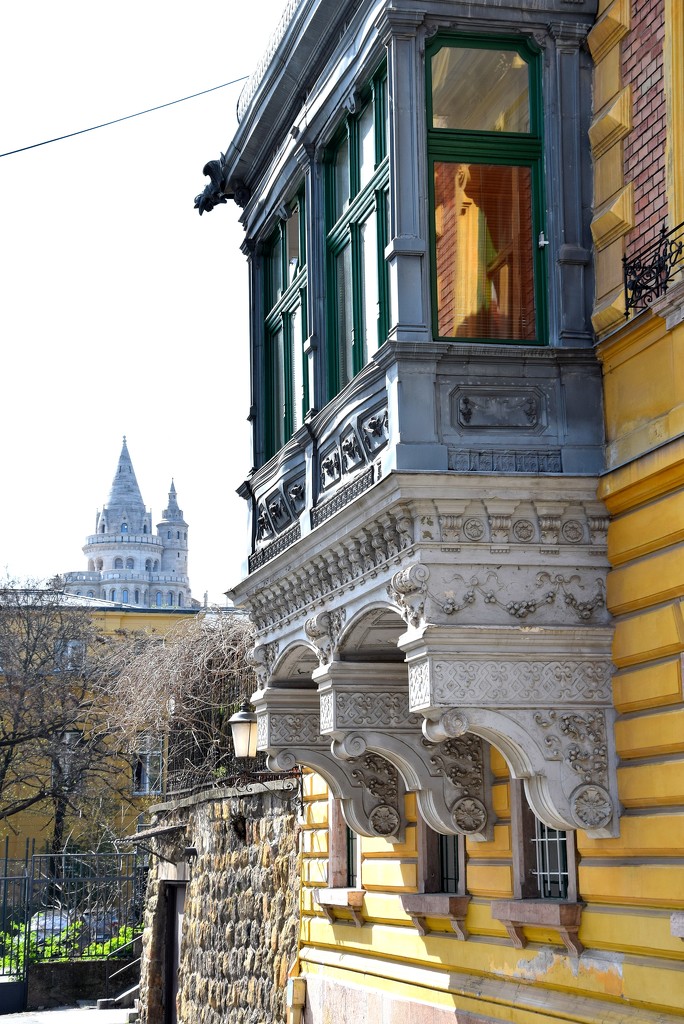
127	563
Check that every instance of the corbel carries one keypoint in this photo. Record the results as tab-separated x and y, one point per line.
419	906
330	900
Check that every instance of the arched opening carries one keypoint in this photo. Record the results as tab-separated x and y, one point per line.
180	600
124	527
129	563
158	599
118	563
148	565
137	596
112	595
124	596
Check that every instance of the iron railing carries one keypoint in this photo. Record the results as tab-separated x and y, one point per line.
649	272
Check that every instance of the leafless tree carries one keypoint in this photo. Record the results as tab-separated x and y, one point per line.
182	689
55	754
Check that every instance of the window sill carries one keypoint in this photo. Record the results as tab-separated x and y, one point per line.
330	900
561	916
421	905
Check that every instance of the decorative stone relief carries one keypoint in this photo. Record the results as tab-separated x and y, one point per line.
463	460
352	456
409	589
521	606
296	494
375	430
383	793
262	659
331	469
494	409
451	779
324	630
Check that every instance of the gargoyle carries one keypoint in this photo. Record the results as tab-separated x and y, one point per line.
215	192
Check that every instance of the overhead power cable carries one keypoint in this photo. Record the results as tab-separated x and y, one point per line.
117	120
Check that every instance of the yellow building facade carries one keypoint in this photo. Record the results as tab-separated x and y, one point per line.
28	831
631	888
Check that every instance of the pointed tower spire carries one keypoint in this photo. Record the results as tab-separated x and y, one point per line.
125	493
173	513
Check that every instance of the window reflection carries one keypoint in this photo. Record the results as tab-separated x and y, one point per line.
483	230
480	90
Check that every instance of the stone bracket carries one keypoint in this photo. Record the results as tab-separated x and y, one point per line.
369	787
551	717
364	707
563	918
330	900
420	906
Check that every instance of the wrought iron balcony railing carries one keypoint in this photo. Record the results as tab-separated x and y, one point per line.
650	271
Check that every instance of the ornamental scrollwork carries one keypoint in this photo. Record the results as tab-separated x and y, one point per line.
522	606
409	588
324	630
262	658
577	739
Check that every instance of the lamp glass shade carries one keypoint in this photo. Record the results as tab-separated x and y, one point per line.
243	725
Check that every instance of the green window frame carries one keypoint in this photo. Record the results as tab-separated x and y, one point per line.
357	217
286	397
496	291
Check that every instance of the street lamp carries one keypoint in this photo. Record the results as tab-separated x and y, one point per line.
243	725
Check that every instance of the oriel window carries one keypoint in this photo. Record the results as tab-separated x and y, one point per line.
287	384
357	205
485	155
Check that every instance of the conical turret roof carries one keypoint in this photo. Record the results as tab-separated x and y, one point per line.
173	513
125	494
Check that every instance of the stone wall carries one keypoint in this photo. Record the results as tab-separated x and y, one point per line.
61	984
241	914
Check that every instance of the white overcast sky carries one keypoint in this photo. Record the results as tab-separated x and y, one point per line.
121	310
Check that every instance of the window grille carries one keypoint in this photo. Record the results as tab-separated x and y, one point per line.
448	863
352	858
551	851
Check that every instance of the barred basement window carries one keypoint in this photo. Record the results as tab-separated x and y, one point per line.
485	156
357	216
449	863
551	872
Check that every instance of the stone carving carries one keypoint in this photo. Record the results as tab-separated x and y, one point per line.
598	527
591	807
385	820
495	409
272	550
327	712
515	683
262	659
330	469
462	460
469	815
213	194
572	531
264	527
578	739
521	607
351	452
296	495
324	630
377	709
294	728
342	497
419	683
549	527
473	529
279	512
375	430
523	531
409	588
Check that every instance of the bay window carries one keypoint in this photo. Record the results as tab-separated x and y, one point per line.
357	217
485	157
286	383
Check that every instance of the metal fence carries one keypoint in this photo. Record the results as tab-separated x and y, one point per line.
69	906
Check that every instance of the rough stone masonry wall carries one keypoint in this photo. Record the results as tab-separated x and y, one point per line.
241	918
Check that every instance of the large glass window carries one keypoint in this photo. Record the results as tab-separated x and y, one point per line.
484	139
358	183
287	384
